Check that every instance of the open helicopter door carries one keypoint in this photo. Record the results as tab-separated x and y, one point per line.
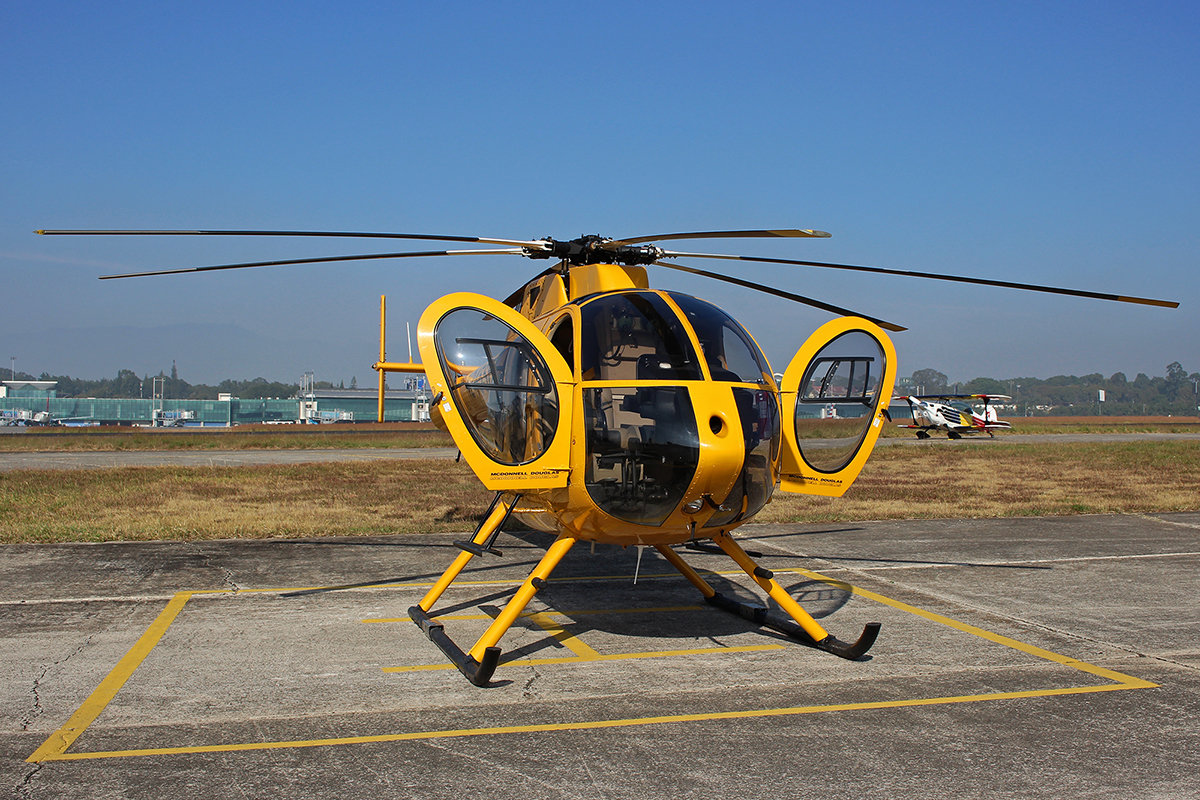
834	398
502	390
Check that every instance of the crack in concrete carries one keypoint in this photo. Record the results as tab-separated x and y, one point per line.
526	690
226	573
24	789
1166	521
559	791
592	778
36	710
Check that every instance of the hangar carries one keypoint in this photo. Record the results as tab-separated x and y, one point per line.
37	403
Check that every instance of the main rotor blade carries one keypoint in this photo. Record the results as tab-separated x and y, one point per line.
808	301
510	251
537	244
662	237
938	277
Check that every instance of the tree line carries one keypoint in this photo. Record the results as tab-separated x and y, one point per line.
1176	393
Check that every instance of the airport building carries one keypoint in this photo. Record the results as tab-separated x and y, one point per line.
37	403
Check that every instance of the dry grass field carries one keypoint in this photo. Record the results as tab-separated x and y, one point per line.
423	496
934	481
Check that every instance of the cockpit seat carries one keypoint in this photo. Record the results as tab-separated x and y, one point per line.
653	367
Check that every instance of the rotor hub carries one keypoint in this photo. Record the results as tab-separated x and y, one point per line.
595	249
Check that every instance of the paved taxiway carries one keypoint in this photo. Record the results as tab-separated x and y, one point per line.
1046	657
208	458
243	458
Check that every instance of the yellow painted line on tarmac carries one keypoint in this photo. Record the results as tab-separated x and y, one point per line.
86	714
582	657
1125	680
528	614
582	726
546	622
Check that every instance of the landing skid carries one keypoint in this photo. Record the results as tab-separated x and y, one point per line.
830	644
480	662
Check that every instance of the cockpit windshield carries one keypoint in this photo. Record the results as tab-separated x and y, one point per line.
641	426
729	351
634	336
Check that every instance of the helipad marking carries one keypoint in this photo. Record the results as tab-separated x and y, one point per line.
86	714
521	662
55	747
583	726
544	620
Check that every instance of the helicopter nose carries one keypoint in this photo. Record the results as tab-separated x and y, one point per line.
729	420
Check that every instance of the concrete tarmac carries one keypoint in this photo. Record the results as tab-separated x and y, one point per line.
1019	658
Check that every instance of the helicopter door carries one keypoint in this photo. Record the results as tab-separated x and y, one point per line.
834	399
502	389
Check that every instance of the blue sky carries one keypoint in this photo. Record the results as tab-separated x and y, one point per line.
1044	143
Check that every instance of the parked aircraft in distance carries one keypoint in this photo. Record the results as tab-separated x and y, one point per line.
956	415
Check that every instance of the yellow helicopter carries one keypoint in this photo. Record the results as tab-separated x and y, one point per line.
601	410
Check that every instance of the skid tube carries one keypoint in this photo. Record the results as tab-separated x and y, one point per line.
830	644
480	662
477	672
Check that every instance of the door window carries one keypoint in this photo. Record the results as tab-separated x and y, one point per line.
837	399
499	385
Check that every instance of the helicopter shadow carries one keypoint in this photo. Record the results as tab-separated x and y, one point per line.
595	591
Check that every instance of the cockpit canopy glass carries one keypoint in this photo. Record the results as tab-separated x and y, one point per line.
729	351
643	449
634	336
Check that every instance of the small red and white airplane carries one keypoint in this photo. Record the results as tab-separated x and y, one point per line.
955	414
